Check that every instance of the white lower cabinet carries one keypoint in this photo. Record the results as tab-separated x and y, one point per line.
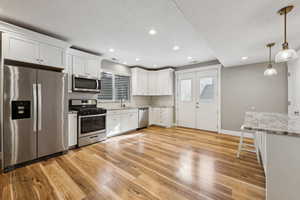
161	116
121	121
113	125
72	129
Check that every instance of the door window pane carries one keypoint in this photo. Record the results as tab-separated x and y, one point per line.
207	89
186	90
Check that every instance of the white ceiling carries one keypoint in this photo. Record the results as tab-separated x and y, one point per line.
123	25
205	30
237	28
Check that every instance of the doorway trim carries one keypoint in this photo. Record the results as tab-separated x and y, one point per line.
200	69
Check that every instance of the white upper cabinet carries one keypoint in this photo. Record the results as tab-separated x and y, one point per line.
139	82
34	50
93	67
79	65
69	71
152	83
52	55
21	49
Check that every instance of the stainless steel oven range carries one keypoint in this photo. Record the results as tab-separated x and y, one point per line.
91	121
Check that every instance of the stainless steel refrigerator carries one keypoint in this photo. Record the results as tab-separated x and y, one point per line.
35	114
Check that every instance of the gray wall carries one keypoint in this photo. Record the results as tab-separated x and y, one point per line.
245	88
203	64
110	66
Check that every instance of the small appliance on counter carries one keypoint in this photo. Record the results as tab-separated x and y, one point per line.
91	121
86	84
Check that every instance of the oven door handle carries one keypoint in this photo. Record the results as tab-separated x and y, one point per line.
97	84
89	116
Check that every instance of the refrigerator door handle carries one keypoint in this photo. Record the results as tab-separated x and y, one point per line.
39	107
34	106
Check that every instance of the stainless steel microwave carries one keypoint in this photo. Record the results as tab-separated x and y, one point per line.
86	84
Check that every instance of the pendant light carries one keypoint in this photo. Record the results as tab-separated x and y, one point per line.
270	71
286	54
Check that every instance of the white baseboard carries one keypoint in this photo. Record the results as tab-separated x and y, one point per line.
236	133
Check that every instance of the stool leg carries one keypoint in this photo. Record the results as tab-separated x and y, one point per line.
256	148
240	145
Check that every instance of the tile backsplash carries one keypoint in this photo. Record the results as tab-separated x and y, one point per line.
135	100
162	101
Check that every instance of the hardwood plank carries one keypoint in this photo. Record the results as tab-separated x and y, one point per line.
154	163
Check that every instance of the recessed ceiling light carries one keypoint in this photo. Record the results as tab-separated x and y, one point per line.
154	65
190	58
152	32
245	58
176	48
111	50
125	63
137	59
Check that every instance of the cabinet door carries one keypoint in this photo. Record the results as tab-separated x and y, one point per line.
140	82
133	120
134	81
93	68
79	65
52	56
151	116
72	130
125	122
21	49
156	116
113	125
152	83
145	82
166	115
69	71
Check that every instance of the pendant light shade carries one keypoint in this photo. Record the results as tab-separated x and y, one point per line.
286	54
270	71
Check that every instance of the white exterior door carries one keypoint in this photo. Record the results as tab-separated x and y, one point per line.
185	100
207	100
294	87
197	99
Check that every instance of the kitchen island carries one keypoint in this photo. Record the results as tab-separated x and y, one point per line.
281	148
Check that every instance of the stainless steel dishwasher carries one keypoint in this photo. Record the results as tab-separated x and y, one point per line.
143	117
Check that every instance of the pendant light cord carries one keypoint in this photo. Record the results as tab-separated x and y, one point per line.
285	21
270	55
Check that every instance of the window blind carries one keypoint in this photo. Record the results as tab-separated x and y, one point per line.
122	87
106	86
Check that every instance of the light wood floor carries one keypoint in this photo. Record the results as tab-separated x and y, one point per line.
155	163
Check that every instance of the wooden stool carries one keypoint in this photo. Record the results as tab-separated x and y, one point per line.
243	146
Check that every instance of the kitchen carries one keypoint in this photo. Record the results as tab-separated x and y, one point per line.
104	100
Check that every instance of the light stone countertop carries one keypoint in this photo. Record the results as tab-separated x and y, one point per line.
272	123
